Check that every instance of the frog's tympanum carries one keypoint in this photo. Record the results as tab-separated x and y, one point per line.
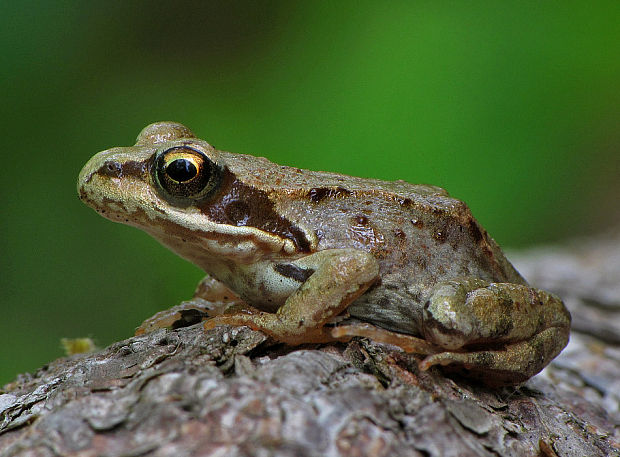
317	257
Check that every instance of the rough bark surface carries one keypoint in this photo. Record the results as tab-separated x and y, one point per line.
227	393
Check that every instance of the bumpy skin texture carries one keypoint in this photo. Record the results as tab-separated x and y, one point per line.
299	249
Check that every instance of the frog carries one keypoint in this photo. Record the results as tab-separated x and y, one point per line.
315	257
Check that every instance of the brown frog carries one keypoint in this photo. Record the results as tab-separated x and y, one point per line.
315	257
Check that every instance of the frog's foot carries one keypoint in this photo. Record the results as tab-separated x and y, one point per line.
273	326
187	313
407	343
216	292
210	299
512	364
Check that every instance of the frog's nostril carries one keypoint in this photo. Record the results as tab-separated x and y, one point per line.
111	168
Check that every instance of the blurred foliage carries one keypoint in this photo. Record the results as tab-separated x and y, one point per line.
511	106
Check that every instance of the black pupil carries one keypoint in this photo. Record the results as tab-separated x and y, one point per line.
181	170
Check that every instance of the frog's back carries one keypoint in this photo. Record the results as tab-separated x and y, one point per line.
415	229
429	237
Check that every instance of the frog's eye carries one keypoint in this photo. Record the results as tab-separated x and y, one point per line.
183	172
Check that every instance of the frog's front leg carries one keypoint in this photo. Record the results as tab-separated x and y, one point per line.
211	298
338	276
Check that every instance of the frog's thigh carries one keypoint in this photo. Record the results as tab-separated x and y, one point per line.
210	298
515	329
467	311
340	276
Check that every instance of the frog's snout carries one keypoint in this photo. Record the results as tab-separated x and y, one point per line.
101	164
85	176
98	177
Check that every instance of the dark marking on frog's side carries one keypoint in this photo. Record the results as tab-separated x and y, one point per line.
417	223
299	236
236	203
450	229
83	195
440	211
294	272
316	194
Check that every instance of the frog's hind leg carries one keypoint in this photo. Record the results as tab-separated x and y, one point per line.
210	298
500	333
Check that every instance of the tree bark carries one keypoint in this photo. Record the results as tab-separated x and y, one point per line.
227	393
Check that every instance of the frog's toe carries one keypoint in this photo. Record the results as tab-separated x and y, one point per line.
273	326
476	365
187	313
231	319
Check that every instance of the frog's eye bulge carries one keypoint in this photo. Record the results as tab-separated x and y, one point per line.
185	173
160	132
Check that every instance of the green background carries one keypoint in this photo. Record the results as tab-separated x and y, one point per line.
511	106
